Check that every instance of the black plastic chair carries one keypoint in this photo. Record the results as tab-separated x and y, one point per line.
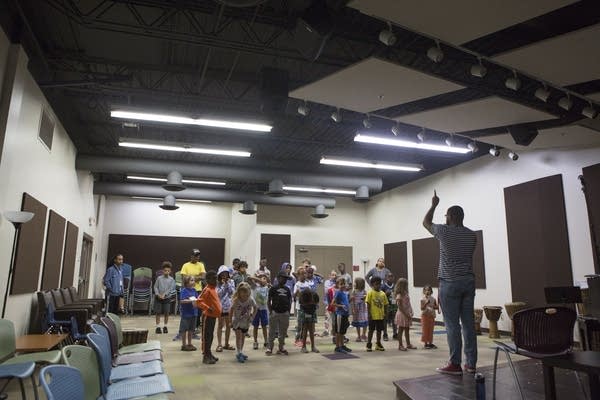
539	332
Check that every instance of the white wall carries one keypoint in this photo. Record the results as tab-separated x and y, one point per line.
49	176
478	187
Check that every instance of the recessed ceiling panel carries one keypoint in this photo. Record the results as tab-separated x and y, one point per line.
373	84
490	112
561	137
457	21
563	60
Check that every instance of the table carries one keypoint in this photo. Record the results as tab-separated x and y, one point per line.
33	343
585	361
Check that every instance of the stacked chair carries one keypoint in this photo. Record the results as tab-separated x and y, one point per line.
126	270
126	354
178	285
142	293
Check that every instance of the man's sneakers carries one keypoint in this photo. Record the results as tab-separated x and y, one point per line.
158	330
240	358
379	347
369	347
469	369
255	346
346	349
340	350
208	360
165	330
450	369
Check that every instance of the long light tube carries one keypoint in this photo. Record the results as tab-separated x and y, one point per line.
408	144
318	190
190	181
185	149
174	119
371	164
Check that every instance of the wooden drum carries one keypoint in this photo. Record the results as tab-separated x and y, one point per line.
134	336
511	309
492	313
478	318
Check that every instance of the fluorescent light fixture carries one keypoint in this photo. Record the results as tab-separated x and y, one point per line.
185	149
178	200
318	190
408	144
174	119
191	181
371	164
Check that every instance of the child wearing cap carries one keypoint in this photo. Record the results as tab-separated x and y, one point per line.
225	289
279	303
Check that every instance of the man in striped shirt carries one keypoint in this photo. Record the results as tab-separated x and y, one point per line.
457	285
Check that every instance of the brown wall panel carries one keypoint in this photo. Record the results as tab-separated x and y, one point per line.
55	240
68	269
277	250
151	251
426	260
538	242
591	179
29	248
395	258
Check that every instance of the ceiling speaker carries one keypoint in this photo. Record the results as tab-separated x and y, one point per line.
274	89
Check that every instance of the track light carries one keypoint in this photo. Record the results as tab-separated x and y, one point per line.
565	103
473	147
513	82
303	109
421	135
435	53
494	151
542	93
387	37
478	70
396	129
450	141
336	116
513	156
367	122
589	112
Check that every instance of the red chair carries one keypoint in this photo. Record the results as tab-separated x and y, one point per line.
539	332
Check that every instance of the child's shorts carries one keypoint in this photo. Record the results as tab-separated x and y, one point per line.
340	324
310	318
187	324
376	324
261	317
225	314
162	307
241	329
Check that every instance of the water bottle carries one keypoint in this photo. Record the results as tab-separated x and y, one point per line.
479	386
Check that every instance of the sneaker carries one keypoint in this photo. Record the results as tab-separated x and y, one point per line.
269	352
340	350
282	352
469	369
245	356
325	333
165	330
158	330
347	349
195	336
369	345
427	346
255	346
432	346
385	338
240	358
191	347
450	369
185	348
247	335
379	347
315	350
177	337
208	360
303	350
214	358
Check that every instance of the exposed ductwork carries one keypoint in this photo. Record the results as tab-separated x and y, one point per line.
121	165
147	190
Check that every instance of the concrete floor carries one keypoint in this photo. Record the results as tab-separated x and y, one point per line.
297	376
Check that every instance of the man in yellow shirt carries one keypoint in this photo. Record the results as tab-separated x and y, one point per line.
377	304
195	269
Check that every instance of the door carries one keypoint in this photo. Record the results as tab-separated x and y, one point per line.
85	266
326	258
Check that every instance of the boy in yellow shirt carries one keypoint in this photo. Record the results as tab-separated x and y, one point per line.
377	304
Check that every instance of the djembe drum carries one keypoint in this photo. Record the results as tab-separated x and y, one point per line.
511	309
478	318
134	336
492	313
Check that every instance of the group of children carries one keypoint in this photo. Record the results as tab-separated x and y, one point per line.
233	299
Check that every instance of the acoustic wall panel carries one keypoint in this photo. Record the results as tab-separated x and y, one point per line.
395	259
591	179
68	269
55	240
538	242
426	260
28	258
276	248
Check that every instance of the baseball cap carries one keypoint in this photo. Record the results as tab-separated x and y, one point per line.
195	252
283	274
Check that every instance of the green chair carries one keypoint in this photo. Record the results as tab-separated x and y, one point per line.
142	271
8	347
150	345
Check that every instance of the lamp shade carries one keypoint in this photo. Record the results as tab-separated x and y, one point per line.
169	203
18	217
276	188
174	183
319	212
248	208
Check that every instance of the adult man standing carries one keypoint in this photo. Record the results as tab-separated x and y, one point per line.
113	282
457	285
195	269
343	274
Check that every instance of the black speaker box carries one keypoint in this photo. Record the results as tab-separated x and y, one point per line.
523	136
274	88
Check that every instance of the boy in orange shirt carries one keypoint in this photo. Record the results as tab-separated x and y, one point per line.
210	305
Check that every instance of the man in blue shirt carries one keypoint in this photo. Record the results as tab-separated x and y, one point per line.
113	282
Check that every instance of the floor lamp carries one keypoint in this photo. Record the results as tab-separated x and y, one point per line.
17	218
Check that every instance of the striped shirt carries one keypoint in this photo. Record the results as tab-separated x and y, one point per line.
457	245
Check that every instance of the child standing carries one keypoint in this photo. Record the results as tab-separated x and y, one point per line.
377	304
243	309
279	303
210	305
404	314
225	289
360	314
189	313
390	319
429	306
301	285
342	311
309	302
261	295
329	283
164	288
